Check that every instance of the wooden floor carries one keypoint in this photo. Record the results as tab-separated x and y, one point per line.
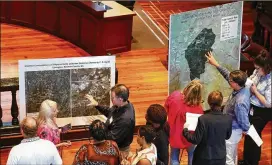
141	70
160	11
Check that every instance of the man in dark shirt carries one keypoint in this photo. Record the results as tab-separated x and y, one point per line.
157	116
120	117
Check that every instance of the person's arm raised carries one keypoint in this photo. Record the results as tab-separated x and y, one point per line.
103	109
211	60
92	100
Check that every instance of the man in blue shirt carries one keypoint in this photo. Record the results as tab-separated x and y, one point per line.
238	106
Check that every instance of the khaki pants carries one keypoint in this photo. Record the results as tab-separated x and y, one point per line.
231	147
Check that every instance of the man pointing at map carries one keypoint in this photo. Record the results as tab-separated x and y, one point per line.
120	117
237	106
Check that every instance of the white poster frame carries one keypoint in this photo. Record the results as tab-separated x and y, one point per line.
63	64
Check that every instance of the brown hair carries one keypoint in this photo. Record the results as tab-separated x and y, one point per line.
121	91
156	114
148	132
29	127
193	93
215	100
238	77
264	60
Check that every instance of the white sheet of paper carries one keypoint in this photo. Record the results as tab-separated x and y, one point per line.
81	120
191	119
249	82
254	135
229	27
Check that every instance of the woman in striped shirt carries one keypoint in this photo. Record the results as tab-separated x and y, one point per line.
261	112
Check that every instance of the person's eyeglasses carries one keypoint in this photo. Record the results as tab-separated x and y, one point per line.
257	68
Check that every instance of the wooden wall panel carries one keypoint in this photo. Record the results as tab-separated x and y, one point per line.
73	21
69	24
87	35
3	9
114	34
23	12
47	15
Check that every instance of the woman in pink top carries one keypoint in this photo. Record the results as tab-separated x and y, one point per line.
177	104
47	127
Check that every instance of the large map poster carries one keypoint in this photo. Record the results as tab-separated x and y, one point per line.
66	81
193	34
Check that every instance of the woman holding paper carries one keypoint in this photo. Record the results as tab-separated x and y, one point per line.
213	128
47	127
177	105
261	112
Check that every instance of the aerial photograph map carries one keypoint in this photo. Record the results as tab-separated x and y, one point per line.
67	81
192	35
68	86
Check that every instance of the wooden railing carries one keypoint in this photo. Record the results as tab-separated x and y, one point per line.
12	85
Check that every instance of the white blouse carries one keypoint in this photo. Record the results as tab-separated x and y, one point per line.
148	153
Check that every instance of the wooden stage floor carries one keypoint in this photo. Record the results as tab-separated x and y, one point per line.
142	71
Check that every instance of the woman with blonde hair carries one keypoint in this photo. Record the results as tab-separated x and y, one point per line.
47	127
177	105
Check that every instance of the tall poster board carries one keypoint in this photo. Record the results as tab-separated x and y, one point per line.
66	81
192	35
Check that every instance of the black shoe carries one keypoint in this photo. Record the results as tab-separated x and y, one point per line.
241	162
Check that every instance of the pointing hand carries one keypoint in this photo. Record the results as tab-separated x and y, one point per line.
92	100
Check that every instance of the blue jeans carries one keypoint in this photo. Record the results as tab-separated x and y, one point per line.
174	155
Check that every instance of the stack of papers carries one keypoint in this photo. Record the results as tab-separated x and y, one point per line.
192	119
